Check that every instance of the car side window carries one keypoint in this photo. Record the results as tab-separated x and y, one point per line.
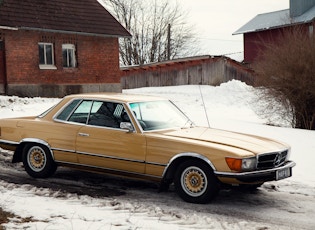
64	115
81	113
107	114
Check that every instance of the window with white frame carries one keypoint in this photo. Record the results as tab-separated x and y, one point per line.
68	56
46	55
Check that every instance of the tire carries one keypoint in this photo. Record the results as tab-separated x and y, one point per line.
195	182
37	161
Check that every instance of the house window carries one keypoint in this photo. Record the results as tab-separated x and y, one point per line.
46	56
68	56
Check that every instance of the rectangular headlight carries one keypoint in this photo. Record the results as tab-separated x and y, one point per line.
249	164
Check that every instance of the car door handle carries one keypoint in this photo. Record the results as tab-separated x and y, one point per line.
84	134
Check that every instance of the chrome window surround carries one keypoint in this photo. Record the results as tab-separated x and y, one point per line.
91	99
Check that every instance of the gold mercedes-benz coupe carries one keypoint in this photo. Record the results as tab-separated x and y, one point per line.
145	137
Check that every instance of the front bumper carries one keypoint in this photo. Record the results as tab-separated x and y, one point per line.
259	176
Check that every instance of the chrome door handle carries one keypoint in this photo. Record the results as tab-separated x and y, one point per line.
84	134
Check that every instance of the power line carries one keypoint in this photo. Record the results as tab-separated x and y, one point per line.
217	39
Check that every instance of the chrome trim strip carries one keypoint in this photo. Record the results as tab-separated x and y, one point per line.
110	157
36	140
289	164
108	128
157	164
8	142
63	150
109	169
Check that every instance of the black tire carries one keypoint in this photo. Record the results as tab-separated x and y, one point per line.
38	161
195	182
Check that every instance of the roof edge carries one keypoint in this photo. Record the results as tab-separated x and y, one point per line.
291	21
179	60
71	32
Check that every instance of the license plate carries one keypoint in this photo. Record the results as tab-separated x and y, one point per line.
283	173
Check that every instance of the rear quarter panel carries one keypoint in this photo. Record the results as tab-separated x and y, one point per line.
61	137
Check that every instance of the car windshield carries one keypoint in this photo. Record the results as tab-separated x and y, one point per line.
155	115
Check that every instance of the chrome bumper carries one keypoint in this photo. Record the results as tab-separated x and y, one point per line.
257	176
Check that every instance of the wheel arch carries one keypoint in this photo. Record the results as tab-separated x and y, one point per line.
169	171
17	157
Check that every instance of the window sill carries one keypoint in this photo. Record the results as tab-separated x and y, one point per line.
70	69
47	67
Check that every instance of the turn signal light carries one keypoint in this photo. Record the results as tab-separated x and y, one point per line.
234	163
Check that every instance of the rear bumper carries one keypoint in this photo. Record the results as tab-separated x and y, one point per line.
258	176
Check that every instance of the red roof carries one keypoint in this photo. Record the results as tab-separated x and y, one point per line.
71	16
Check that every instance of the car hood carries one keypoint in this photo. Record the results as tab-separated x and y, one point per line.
254	144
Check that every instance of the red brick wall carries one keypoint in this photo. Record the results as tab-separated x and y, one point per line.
97	59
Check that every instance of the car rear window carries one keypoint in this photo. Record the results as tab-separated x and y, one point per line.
64	115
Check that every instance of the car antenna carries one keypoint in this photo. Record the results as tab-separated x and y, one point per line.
204	106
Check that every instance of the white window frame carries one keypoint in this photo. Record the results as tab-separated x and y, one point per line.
71	62
45	65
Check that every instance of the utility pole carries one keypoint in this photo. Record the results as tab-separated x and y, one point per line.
169	42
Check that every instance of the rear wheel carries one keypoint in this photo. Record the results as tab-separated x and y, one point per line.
38	161
195	182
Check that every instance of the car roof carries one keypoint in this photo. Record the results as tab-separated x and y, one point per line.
118	97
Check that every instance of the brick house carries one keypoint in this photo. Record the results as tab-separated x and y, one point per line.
269	26
57	47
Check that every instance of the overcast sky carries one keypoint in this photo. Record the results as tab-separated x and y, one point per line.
216	20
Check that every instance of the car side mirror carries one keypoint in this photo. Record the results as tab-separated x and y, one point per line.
126	126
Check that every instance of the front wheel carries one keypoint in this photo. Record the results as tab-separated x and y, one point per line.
195	182
38	161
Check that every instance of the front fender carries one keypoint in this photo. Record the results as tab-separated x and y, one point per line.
170	168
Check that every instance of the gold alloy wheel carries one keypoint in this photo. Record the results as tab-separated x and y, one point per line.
194	181
36	158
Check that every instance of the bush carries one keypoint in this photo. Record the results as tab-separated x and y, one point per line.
286	69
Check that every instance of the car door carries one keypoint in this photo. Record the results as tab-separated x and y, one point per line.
102	143
61	134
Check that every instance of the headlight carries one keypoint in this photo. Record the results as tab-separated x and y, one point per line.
240	165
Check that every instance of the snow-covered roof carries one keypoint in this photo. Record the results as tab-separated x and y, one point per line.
275	20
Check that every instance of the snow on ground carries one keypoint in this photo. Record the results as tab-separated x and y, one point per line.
230	106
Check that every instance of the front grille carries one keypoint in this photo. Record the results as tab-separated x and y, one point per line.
271	160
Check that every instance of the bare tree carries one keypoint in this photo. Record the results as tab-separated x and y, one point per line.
159	30
286	70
